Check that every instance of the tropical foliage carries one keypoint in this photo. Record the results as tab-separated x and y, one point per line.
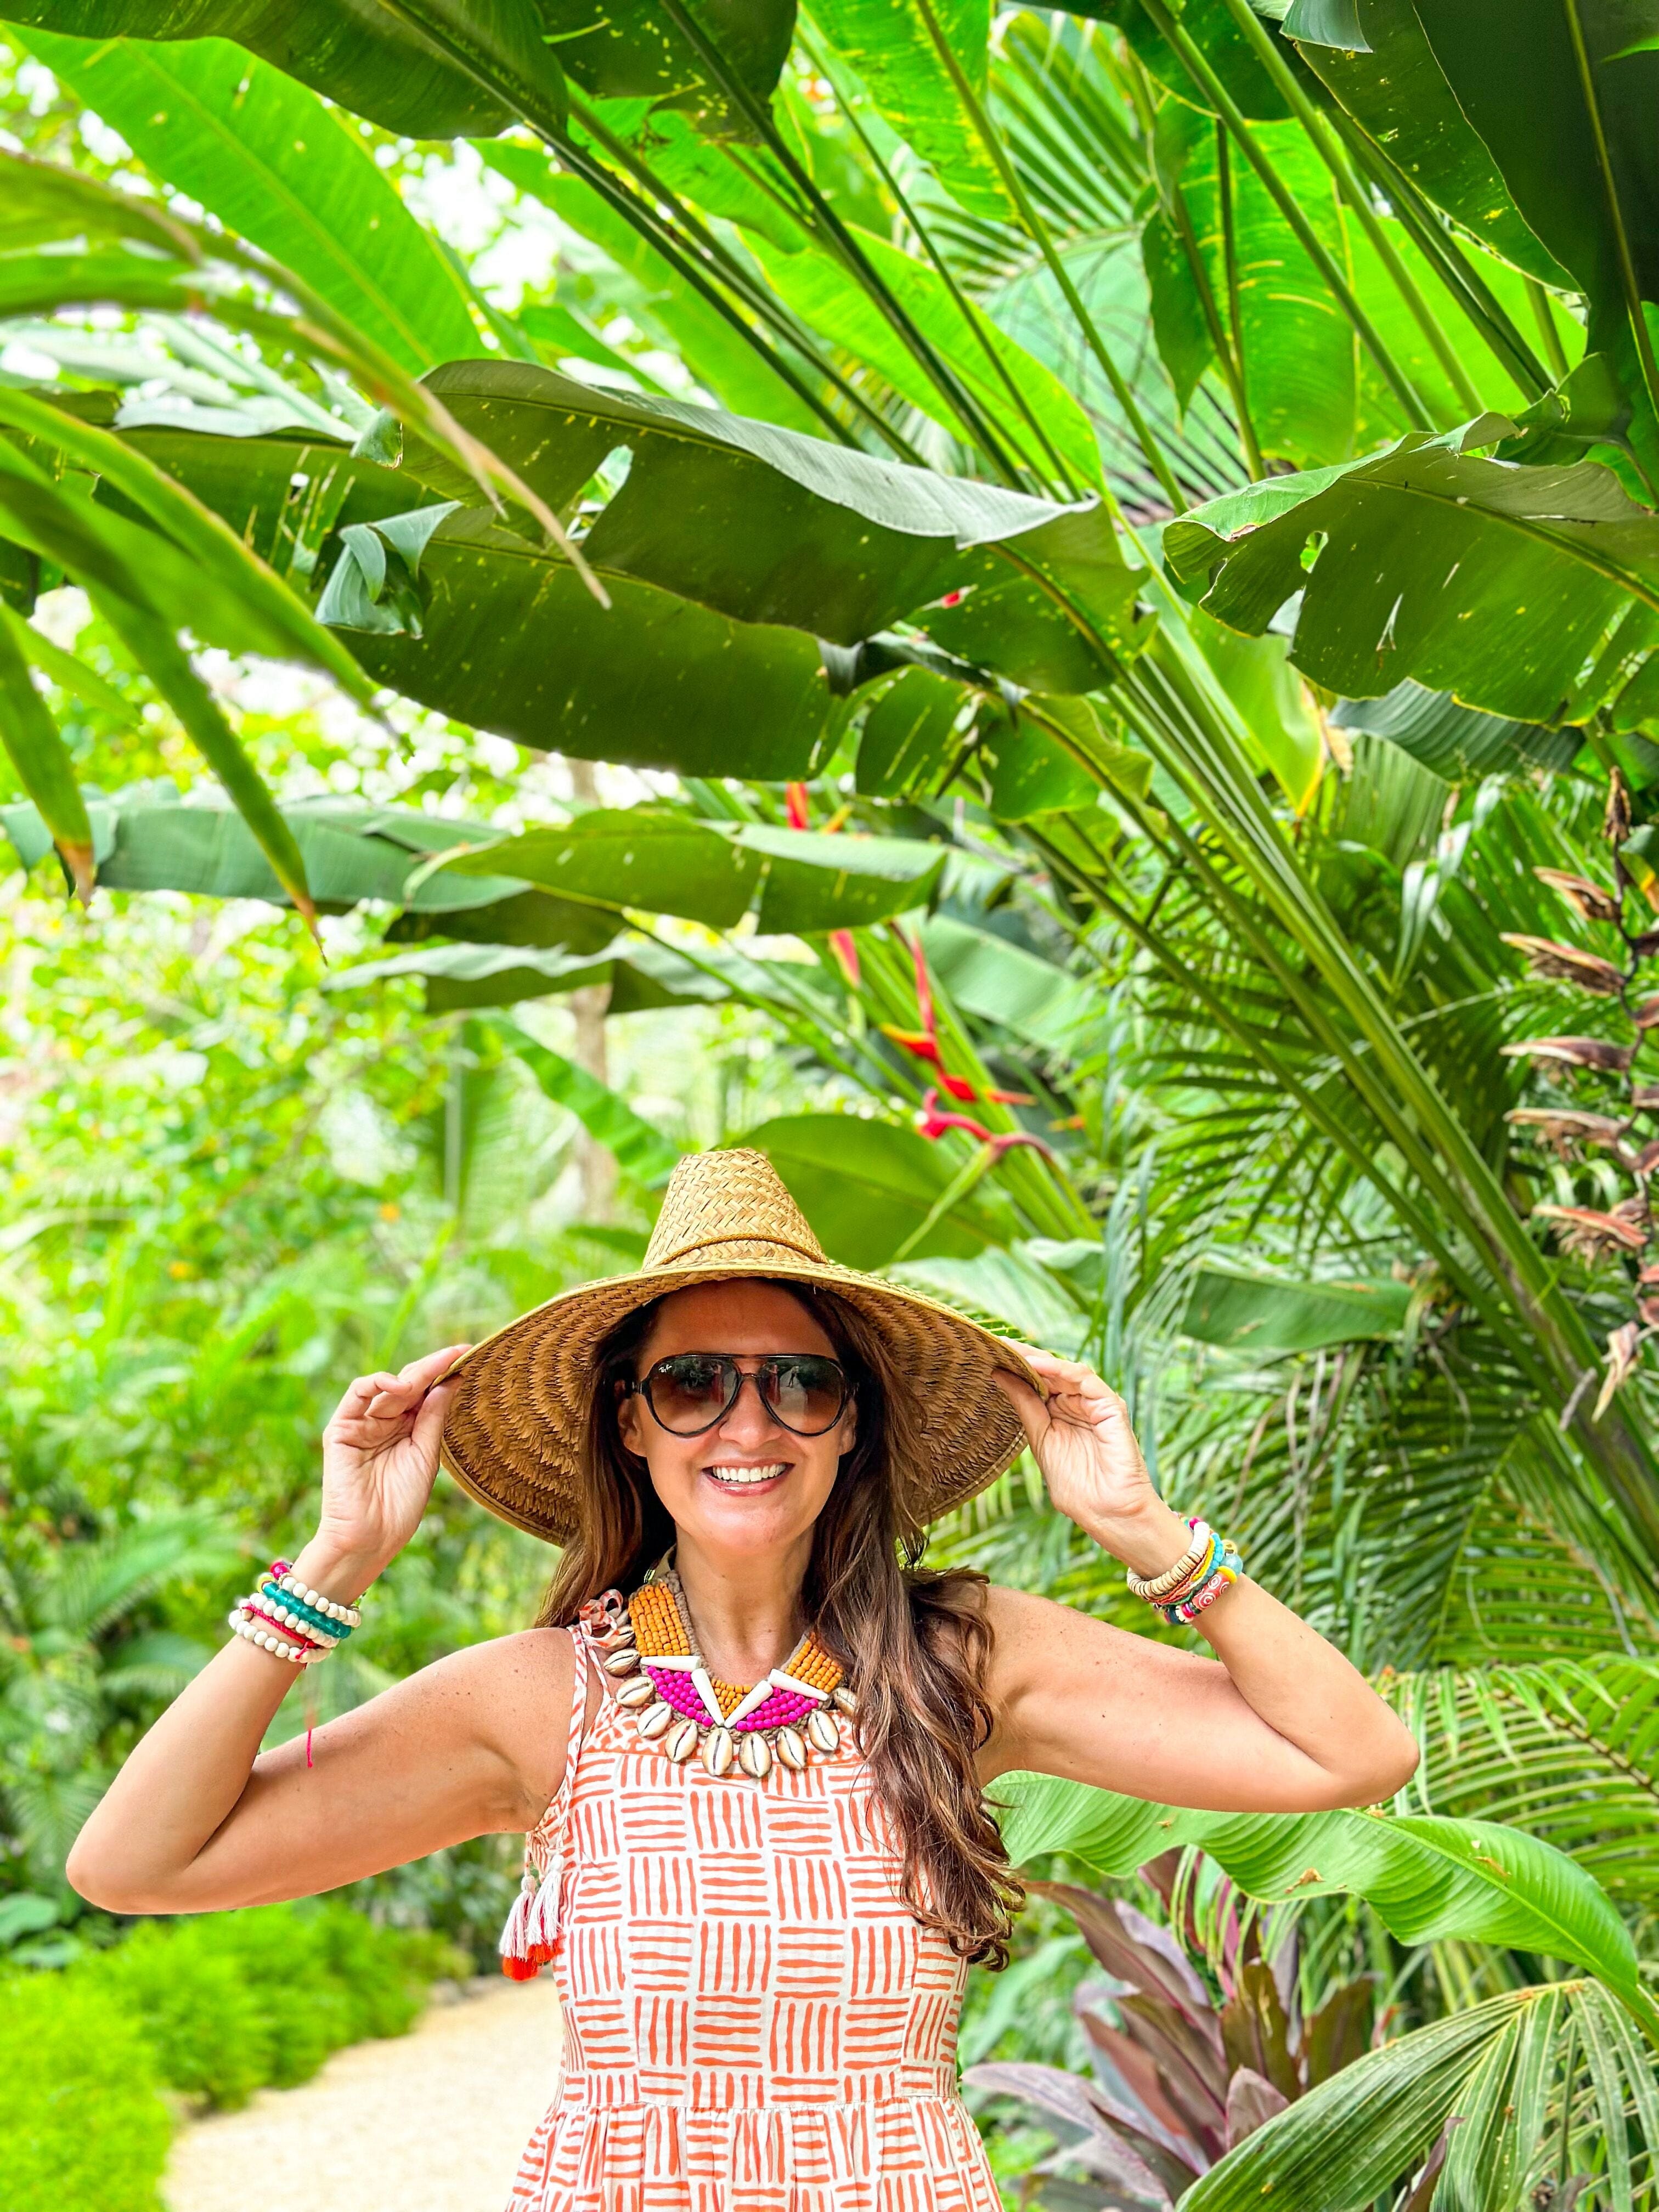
1120	548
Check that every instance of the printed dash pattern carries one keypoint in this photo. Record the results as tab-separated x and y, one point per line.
754	2021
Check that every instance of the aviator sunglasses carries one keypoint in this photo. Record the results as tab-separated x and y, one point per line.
691	1391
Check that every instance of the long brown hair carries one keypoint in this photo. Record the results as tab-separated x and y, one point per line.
915	1643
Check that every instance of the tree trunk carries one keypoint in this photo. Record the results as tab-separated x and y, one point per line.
589	1006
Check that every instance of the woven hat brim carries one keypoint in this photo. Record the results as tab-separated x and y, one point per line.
517	1424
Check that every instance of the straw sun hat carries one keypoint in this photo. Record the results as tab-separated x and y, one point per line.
515	1427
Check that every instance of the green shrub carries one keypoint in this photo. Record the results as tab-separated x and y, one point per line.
277	1953
233	2000
184	1988
82	2128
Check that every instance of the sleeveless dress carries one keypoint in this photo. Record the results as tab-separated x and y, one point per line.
754	2021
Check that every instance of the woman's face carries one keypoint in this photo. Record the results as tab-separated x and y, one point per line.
707	1483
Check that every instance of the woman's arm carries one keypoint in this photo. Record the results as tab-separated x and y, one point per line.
1282	1724
196	1821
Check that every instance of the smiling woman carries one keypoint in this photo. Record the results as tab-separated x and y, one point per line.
751	1737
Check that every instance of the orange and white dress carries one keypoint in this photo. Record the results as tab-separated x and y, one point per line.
754	2021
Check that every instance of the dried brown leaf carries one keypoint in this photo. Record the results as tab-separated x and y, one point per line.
1624	1349
1582	1229
1576	1052
1592	901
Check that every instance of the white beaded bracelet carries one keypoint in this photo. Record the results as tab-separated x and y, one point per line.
317	1636
250	1632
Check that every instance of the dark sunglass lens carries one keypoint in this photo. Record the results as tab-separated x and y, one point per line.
689	1391
805	1394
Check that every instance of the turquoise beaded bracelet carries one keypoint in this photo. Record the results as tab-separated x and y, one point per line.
335	1631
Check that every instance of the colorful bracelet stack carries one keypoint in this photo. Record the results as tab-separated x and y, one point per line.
291	1621
1210	1565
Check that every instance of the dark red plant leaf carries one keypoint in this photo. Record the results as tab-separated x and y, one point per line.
1339	2032
1575	1051
1132	1949
1594	903
1422	2196
1200	2120
1070	2097
1251	2103
1255	2032
1195	2072
1566	963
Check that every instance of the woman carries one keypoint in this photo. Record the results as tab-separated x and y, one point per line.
748	1741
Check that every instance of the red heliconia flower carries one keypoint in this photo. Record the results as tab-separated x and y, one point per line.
796	806
917	1041
934	1125
844	946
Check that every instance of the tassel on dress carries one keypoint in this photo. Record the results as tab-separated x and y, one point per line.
531	1934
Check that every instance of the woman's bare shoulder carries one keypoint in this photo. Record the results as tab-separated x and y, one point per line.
513	1692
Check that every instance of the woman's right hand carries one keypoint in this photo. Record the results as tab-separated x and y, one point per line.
380	1463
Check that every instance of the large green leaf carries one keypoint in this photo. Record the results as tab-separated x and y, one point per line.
1004	983
1298	348
896	53
866	1186
638	972
1460	744
1572	131
651	680
41	758
147	839
373	60
1568	1750
266	157
1489	2078
1494	583
1265	1314
1398	93
448	69
671	863
753	521
1427	1877
201	575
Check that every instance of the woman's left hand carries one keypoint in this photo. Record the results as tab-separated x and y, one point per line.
1081	1438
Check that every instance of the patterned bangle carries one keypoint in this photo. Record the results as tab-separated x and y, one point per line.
249	1627
1226	1574
289	1585
1156	1587
1214	1553
305	1616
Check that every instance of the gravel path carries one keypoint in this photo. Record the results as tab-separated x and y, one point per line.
429	2121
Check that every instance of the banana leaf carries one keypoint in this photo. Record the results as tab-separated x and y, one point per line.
1427	1877
1494	583
267	157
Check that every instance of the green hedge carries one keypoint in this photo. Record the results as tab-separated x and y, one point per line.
81	2124
215	2008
